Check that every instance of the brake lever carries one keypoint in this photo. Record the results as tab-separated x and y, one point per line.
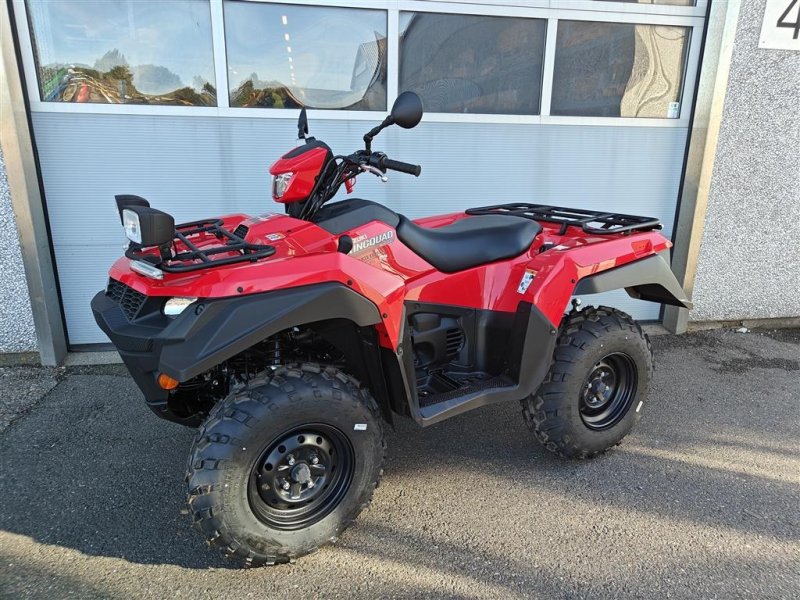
375	171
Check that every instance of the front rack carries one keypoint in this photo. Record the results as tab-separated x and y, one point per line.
173	261
592	222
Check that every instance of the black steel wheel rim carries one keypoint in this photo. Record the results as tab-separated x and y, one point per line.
608	391
301	476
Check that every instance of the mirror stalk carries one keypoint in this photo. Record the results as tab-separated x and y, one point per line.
406	112
375	131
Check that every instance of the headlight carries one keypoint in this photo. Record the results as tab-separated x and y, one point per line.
148	226
280	183
130	221
175	306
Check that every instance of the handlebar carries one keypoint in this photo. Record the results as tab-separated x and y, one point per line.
396	165
342	169
382	162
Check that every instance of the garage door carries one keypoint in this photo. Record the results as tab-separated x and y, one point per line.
585	107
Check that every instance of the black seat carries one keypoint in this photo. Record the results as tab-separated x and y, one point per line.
345	215
469	242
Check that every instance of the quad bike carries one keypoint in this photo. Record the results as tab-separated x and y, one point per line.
291	339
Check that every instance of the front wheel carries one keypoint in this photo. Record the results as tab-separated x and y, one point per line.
284	465
597	384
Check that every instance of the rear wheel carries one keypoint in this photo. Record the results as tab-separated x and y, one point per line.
597	384
284	465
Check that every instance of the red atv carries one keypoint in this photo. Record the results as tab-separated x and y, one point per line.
290	339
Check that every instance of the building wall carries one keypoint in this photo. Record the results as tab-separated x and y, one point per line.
748	266
16	320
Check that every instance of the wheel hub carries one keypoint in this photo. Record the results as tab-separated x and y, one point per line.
608	391
301	473
301	477
600	386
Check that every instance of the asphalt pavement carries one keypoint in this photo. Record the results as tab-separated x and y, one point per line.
702	501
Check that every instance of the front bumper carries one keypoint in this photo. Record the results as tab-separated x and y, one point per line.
139	341
210	332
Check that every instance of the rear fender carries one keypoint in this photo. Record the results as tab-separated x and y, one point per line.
647	279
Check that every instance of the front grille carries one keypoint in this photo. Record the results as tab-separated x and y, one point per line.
129	300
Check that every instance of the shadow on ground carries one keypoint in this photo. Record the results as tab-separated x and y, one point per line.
697	501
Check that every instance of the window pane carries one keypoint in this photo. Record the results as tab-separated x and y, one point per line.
618	69
472	64
124	51
283	56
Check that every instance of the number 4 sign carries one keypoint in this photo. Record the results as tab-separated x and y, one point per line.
781	26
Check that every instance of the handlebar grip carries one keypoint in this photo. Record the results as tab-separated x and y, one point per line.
396	165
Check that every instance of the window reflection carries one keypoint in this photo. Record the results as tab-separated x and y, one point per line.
472	64
618	69
285	56
124	51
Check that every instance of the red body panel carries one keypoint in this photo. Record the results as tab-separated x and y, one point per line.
306	167
388	273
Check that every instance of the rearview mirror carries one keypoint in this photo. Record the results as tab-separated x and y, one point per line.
407	110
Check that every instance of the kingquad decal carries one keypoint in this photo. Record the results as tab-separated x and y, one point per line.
362	242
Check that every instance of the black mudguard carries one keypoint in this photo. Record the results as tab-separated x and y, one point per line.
212	331
646	279
224	328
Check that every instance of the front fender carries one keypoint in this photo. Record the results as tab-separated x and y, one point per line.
646	279
214	331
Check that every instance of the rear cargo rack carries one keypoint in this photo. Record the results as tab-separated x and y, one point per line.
194	259
593	222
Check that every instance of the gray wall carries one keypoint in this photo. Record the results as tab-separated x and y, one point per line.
749	265
16	321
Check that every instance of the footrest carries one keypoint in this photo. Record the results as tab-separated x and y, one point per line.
457	390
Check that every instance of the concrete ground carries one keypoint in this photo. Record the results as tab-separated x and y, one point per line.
703	500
